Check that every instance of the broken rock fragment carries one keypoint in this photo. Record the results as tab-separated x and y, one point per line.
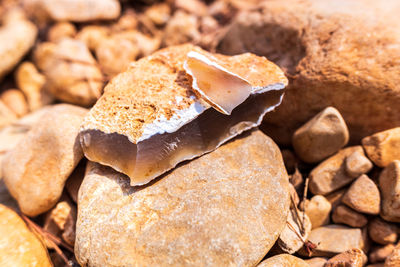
150	117
228	206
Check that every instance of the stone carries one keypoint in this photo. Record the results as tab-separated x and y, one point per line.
72	74
290	160
318	209
382	232
14	99
283	260
383	147
389	185
7	116
197	209
19	246
353	257
296	179
334	239
358	164
345	215
36	169
17	35
154	114
316	262
394	259
75	180
93	35
293	194
335	198
331	174
181	28
61	30
329	60
376	265
363	196
158	13
379	254
322	136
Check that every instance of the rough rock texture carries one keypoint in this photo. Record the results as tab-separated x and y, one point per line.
36	169
331	174
379	254
18	245
328	49
394	259
283	260
322	136
389	185
318	210
335	198
382	232
224	208
345	215
383	147
363	196
351	258
358	164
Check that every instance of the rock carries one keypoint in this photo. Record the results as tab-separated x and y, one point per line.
19	246
357	164
14	99
316	262
394	259
75	180
334	239
383	147
7	116
335	198
197	209
382	232
181	28
330	60
17	35
322	136
379	254
318	210
283	260
159	13
331	174
389	185
71	71
296	179
36	169
345	215
376	265
93	35
60	31
294	195
290	160
353	257
194	7
363	196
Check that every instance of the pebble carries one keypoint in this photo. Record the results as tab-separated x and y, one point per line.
316	262
394	258
318	209
358	164
345	215
15	100
382	232
353	258
389	185
61	30
283	260
379	254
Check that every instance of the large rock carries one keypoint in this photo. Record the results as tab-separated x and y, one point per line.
226	207
36	169
18	245
333	59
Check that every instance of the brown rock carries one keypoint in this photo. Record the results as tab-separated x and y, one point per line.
195	7
93	35
283	260
36	169
196	209
383	147
363	196
322	136
379	254
331	174
345	215
15	100
159	13
181	28
382	232
335	198
60	31
376	265
394	259
316	262
330	60
358	164
352	258
7	116
318	210
389	185
19	246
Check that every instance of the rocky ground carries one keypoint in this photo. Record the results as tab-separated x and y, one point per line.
104	164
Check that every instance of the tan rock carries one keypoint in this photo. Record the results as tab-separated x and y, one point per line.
283	260
316	262
382	232
318	210
334	239
376	265
36	169
389	185
335	198
17	35
15	100
358	164
290	160
159	13
322	136
394	259
93	35
330	60
383	147
196	209
195	7
345	215
7	116
71	71
61	30
363	196
19	246
354	258
379	254
128	21
331	174
181	28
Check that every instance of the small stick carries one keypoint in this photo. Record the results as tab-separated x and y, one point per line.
305	196
301	224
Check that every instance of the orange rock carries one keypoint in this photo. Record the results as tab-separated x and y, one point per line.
353	258
15	100
345	215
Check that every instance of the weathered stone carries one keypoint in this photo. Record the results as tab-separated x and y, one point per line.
7	116
363	196
353	257
331	174
382	232
14	99
383	147
358	164
394	259
327	48
379	254
60	31
318	210
316	262
159	13
181	28
389	185
335	198
290	160
19	246
283	260
322	136
345	215
226	207
36	169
